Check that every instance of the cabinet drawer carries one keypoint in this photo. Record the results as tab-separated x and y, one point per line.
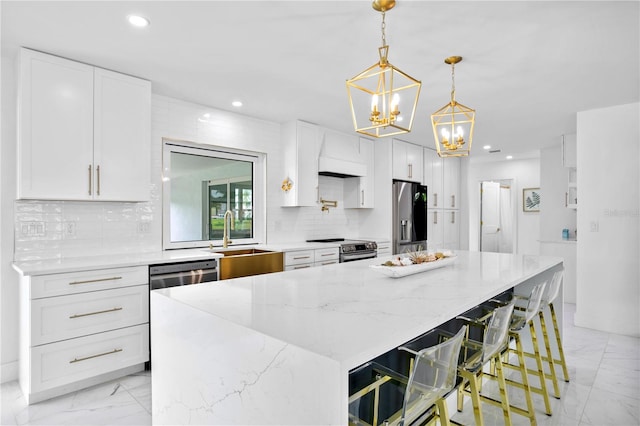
324	255
326	262
83	281
298	257
72	360
66	317
298	266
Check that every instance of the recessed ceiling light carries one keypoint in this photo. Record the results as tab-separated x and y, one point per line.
236	104
509	157
487	147
138	21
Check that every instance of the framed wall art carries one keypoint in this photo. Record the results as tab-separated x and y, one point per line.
531	199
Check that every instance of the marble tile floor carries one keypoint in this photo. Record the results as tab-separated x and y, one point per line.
604	390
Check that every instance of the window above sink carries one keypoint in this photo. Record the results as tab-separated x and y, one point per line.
200	184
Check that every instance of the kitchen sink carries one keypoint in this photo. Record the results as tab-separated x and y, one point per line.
251	261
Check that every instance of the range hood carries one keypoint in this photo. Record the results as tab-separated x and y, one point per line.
328	166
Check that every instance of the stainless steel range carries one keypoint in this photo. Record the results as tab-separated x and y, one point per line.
351	250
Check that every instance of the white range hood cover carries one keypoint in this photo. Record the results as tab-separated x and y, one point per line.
328	166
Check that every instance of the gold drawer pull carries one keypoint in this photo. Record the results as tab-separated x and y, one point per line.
301	267
328	254
94	313
301	257
94	356
94	281
329	263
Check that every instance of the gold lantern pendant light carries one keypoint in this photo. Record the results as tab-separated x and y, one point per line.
381	95
453	123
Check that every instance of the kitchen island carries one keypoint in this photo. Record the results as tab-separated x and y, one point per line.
278	348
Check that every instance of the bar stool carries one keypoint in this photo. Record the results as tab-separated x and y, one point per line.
547	302
522	317
432	377
493	344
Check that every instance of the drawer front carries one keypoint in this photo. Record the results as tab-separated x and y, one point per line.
298	257
66	317
298	266
324	255
83	281
71	360
326	262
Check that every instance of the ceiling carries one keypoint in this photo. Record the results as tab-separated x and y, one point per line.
528	66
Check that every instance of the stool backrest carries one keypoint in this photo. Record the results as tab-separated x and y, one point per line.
533	305
496	333
554	287
433	375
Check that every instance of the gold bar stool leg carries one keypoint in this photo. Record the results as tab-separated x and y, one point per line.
547	346
561	361
443	412
543	381
504	399
475	399
525	379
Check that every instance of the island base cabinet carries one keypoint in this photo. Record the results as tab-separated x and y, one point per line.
72	364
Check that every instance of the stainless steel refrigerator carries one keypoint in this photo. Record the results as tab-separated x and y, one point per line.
409	217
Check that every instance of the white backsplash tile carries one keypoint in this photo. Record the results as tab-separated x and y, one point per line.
58	229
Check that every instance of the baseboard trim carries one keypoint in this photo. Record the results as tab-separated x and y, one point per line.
9	371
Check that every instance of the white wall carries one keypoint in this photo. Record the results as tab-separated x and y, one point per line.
525	174
608	296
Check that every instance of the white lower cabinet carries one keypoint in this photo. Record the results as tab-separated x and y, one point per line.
72	360
301	259
78	329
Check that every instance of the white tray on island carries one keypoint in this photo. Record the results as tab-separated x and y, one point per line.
405	270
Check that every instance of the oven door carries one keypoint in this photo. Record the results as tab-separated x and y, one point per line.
350	257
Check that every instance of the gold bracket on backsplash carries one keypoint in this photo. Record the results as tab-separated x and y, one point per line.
327	203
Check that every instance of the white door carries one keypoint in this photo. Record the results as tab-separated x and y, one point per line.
122	137
55	151
490	216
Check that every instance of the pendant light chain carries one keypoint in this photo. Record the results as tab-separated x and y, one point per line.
382	28
453	83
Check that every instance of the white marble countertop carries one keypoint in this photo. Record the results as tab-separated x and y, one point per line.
55	266
351	313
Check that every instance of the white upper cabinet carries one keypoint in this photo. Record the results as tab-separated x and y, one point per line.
121	141
433	178
83	132
55	128
358	191
301	151
451	187
407	161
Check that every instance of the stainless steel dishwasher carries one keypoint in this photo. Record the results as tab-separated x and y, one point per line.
179	274
183	273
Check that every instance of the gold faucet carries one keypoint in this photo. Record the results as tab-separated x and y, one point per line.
225	232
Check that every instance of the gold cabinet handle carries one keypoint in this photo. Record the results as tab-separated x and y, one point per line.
301	257
301	267
94	281
329	263
328	254
435	218
362	197
410	170
566	199
453	217
94	313
435	199
90	175
95	356
453	201
98	180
